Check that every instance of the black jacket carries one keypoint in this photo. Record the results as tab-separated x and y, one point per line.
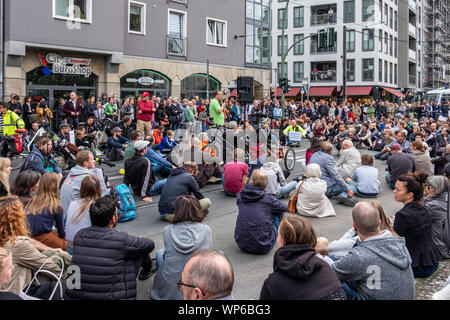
180	182
298	274
413	222
109	261
398	164
139	175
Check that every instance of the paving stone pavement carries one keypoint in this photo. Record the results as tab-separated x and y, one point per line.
425	288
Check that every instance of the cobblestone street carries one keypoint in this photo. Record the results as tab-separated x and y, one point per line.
425	288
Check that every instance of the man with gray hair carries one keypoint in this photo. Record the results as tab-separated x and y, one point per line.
208	275
349	161
379	266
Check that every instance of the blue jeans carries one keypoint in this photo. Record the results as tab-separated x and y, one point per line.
159	168
388	180
156	188
287	188
159	257
276	220
335	190
350	290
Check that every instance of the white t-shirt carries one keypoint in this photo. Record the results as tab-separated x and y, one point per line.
73	228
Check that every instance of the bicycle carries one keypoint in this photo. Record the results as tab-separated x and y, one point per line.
11	150
290	157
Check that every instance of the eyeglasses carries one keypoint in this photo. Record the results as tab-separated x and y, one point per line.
180	284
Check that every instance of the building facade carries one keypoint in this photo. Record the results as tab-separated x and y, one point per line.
128	47
375	44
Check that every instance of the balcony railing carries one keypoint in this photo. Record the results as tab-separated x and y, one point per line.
323	18
176	45
412	80
316	50
412	54
412	29
323	76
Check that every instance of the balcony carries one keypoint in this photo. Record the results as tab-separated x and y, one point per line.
412	80
412	54
413	5
176	46
323	76
316	50
317	19
412	30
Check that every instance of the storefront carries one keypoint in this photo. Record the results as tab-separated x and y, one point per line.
135	83
195	85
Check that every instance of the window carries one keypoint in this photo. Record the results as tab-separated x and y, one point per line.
368	36
396	21
391	18
299	17
136	18
380	39
257	32
380	5
386	71
73	10
195	85
395	47
349	11
368	10
380	70
350	70
216	32
419	57
298	71
386	14
350	40
299	47
281	45
391	45
367	69
285	70
281	21
395	73
386	43
176	43
390	73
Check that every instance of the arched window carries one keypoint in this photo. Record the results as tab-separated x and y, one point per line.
139	81
195	85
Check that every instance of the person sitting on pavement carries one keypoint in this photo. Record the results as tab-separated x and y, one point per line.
40	158
349	160
436	203
413	222
377	253
400	139
235	174
364	181
398	163
139	175
260	213
208	275
336	186
64	131
126	127
116	145
167	144
135	136
109	260
277	184
298	272
312	201
293	127
159	164
181	181
186	234
440	162
6	268
158	134
421	160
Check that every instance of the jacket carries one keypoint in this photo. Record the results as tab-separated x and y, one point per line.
437	207
69	107
156	159
181	240
180	182
113	143
348	162
145	111
255	232
139	175
413	222
189	114
312	201
398	164
298	274
110	109
439	164
329	173
11	122
166	145
36	162
381	268
275	177
109	261
422	162
294	129
70	189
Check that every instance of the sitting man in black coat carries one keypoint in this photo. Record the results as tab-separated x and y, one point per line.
108	260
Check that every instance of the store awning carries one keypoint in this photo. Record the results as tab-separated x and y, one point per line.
321	91
278	93
394	92
293	92
233	93
358	91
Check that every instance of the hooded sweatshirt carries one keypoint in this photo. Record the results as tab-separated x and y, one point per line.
70	189
381	268
298	274
180	241
275	177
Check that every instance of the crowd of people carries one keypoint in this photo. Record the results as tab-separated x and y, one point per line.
69	213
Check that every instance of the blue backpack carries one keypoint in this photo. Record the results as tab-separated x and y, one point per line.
127	206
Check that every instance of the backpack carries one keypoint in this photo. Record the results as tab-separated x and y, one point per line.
127	206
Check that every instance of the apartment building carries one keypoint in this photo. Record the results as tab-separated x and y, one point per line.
131	46
375	42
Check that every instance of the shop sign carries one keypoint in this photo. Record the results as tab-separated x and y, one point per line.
68	65
145	81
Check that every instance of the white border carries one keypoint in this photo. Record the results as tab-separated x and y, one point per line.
225	31
143	17
88	13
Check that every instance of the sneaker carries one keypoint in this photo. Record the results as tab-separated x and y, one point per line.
348	202
167	217
145	275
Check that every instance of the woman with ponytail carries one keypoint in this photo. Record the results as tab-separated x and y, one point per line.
413	222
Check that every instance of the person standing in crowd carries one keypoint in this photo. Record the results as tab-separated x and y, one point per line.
111	109
109	260
15	106
28	112
72	109
216	110
208	275
44	113
5	172
186	234
145	112
9	123
413	222
99	113
90	107
26	183
127	109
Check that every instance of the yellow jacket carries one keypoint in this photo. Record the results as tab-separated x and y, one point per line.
11	122
43	114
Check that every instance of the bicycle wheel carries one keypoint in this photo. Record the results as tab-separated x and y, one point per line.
289	159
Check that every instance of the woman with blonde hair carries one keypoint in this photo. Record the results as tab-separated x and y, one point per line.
5	172
78	212
45	210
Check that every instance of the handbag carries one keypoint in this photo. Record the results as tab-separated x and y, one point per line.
42	292
292	207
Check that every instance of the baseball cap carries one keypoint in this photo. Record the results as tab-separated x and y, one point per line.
140	145
146	94
395	146
63	125
116	129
